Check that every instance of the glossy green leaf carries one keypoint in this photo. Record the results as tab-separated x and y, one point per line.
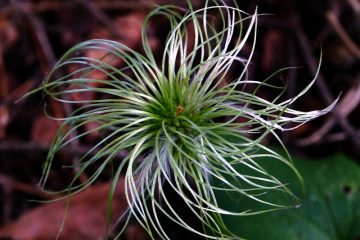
330	207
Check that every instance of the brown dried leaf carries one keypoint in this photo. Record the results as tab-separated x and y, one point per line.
44	130
85	217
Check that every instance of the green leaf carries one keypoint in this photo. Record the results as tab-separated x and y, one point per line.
330	206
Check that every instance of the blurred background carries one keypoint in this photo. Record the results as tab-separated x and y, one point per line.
35	33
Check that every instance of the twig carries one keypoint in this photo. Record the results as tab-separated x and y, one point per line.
30	147
101	16
292	24
336	137
43	48
292	75
355	4
325	92
14	185
47	58
349	102
18	92
48	6
349	43
35	148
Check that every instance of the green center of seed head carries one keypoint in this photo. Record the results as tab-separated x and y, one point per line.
175	119
176	109
177	122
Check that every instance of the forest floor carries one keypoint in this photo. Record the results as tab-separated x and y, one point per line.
35	33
